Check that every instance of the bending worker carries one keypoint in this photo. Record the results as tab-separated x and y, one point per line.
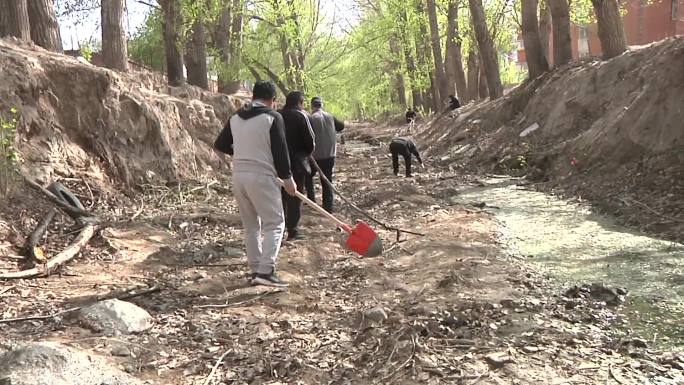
404	147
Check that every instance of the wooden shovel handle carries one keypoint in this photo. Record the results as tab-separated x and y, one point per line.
320	209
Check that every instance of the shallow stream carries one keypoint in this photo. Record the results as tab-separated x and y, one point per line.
575	246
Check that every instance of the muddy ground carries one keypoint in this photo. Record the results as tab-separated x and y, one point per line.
456	308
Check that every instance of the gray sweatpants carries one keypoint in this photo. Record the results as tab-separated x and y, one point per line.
261	210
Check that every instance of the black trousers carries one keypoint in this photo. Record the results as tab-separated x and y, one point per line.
293	205
398	149
327	166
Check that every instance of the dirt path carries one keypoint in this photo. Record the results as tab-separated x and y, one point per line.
458	310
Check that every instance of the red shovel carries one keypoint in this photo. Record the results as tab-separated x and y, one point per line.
361	239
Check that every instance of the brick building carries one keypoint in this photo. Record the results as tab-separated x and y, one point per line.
644	21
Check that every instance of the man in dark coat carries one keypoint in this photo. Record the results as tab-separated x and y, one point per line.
300	145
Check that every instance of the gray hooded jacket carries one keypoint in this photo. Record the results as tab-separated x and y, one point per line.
325	127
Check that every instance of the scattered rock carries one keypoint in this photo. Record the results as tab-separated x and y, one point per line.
121	351
498	360
376	314
115	316
530	349
597	292
48	363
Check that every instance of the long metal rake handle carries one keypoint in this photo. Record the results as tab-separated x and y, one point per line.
320	209
358	209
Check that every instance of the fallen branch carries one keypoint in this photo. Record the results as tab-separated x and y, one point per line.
70	210
225	305
37	235
153	289
87	232
643	205
207	380
615	377
5	290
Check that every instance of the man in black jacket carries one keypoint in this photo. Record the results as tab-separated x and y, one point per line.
255	138
300	144
404	147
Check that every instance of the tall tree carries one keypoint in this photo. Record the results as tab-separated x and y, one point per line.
424	55
545	28
196	56
490	63
454	57
610	30
536	61
173	23
44	26
236	43
473	77
482	83
562	48
435	42
398	76
15	19
222	43
114	44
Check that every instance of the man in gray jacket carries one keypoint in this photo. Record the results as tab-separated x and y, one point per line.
325	128
255	137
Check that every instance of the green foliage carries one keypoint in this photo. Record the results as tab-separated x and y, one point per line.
87	51
8	155
147	46
297	46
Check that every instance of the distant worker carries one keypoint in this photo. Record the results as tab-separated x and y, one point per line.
404	147
300	145
410	116
255	138
325	127
454	104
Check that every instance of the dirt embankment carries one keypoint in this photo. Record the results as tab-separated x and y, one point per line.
610	132
78	120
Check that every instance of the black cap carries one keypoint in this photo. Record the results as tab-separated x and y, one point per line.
316	101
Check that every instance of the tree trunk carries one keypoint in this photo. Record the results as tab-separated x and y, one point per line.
440	73
484	90
536	62
454	62
490	64
473	77
173	22
397	74
434	92
235	41
562	48
114	46
44	26
222	43
610	30
15	19
416	96
196	57
545	29
431	95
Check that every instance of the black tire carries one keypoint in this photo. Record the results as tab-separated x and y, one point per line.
65	194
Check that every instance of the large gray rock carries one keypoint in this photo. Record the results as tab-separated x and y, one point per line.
115	316
48	363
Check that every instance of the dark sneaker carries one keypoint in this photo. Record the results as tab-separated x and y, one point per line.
251	277
268	280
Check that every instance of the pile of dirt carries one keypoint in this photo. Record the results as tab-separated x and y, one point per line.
78	120
608	131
